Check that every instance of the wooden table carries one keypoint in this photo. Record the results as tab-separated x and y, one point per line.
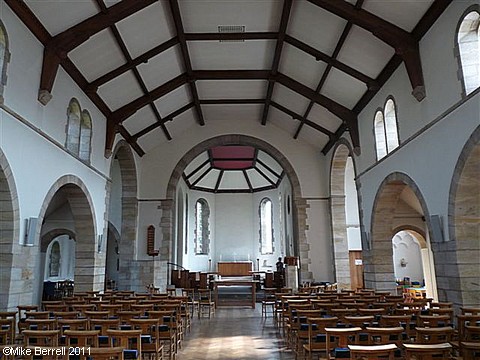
232	281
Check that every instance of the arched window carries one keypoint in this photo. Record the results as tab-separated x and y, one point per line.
74	114
4	58
54	269
391	125
380	142
385	128
202	227
85	136
266	226
468	42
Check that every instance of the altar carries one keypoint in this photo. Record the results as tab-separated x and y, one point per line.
240	281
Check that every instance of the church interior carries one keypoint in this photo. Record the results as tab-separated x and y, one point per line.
240	179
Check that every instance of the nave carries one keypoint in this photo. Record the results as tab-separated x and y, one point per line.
238	333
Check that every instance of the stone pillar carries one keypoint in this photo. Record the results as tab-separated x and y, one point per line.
128	272
340	242
303	245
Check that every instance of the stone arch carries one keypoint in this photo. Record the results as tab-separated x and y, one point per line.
9	234
299	204
464	219
52	234
127	276
387	217
87	276
338	166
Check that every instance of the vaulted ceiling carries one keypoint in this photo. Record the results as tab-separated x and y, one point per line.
155	68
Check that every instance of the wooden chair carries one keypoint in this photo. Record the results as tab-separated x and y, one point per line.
192	300
268	301
317	337
433	320
150	336
470	310
427	351
205	302
130	340
404	321
359	321
302	333
385	335
372	352
8	325
48	338
338	340
104	353
469	350
81	338
167	332
436	335
41	324
102	325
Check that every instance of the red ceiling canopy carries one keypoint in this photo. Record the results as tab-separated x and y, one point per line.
235	157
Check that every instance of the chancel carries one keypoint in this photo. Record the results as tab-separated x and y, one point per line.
238	179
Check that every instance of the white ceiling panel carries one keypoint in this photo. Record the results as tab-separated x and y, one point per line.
182	123
72	12
343	88
216	55
205	16
365	52
315	26
168	61
273	177
233	180
195	163
231	89
313	137
140	120
98	55
173	100
152	139
270	162
289	99
202	169
209	180
232	112
310	71
325	118
281	120
405	14
121	90
147	28
257	180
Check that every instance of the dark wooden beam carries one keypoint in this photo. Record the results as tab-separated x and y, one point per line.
287	7
131	108
126	135
95	84
57	48
345	114
330	60
166	119
303	120
402	41
247	179
326	73
177	19
231	101
231	75
231	36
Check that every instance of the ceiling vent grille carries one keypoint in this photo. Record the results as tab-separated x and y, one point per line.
231	29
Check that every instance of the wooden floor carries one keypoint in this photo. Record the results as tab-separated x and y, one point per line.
238	333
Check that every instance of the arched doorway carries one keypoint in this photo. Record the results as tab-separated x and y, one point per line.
347	246
398	205
112	260
9	235
67	209
122	215
413	259
464	220
298	204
